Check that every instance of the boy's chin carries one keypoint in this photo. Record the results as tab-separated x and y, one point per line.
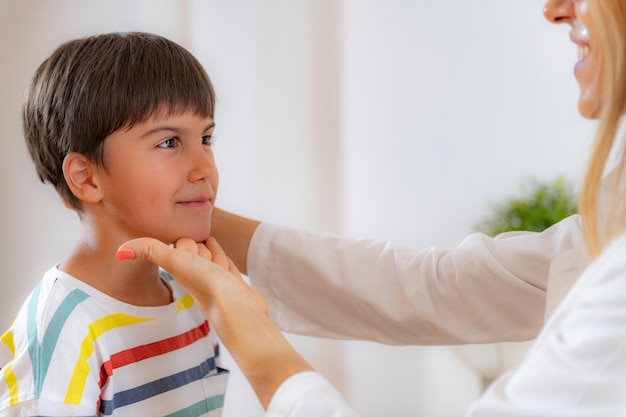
198	238
195	233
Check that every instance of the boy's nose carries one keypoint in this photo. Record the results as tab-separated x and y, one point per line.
202	167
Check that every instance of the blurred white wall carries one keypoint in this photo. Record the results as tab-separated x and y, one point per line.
391	119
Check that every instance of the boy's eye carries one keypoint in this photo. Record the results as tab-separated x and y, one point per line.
168	143
207	140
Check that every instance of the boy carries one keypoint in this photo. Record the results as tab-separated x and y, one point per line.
120	124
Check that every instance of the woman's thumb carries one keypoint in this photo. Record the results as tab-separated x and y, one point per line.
148	249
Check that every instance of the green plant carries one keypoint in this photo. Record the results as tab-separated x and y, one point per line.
539	206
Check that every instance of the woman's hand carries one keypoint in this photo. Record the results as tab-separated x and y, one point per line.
237	312
203	269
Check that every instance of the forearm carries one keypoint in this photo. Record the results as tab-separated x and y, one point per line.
257	345
233	233
329	286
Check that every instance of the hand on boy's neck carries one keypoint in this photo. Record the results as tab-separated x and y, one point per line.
134	282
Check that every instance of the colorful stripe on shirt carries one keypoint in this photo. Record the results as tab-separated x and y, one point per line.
41	356
157	387
41	353
200	408
139	353
97	329
7	372
82	369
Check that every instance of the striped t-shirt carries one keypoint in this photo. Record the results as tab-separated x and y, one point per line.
74	351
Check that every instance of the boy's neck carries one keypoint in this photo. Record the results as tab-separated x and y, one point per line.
136	282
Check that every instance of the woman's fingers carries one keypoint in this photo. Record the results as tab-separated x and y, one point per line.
219	256
232	268
191	246
182	262
145	248
186	245
202	268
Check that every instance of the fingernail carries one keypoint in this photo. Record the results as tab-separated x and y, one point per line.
124	254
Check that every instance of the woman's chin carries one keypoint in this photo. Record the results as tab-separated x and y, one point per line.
589	103
588	110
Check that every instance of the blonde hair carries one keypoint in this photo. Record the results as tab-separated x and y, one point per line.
600	226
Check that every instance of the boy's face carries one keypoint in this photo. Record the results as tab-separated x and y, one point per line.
159	178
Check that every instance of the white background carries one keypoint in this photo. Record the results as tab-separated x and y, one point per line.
392	119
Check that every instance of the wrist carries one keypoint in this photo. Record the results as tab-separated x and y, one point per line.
258	346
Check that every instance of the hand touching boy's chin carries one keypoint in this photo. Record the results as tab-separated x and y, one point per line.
196	231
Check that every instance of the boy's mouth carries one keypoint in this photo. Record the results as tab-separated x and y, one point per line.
203	201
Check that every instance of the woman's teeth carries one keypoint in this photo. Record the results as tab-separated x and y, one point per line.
583	51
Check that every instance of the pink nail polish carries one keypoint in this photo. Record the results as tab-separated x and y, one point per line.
124	254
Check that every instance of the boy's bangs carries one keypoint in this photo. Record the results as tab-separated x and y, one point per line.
172	83
196	99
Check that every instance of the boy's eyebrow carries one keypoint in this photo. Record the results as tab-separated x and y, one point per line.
173	129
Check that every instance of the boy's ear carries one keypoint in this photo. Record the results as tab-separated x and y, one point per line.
82	178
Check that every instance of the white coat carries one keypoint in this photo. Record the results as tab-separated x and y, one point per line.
485	290
516	286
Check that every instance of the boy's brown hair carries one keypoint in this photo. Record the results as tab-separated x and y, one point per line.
91	87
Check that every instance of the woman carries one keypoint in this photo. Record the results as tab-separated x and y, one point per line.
577	363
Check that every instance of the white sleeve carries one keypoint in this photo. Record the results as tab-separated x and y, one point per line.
577	365
309	394
484	290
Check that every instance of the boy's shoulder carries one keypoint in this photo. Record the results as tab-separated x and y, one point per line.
63	310
59	296
52	306
54	299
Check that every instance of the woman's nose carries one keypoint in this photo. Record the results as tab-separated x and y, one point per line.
559	11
